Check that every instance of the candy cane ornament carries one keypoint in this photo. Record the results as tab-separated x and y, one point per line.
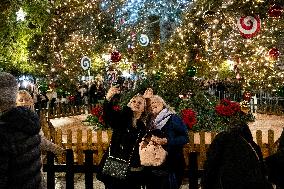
249	26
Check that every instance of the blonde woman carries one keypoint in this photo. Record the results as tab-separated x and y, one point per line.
128	126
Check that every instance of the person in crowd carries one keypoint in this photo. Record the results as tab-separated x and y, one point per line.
96	92
128	126
20	162
168	130
24	99
275	164
84	94
234	161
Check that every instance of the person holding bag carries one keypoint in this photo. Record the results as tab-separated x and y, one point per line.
168	130
120	166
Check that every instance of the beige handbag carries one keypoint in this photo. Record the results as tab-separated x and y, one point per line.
151	154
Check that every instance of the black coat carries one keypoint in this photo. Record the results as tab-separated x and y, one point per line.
125	138
20	162
275	164
232	162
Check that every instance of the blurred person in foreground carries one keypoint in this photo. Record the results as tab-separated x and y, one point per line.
20	156
234	160
24	99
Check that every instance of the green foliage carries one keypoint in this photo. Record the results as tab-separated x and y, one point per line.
94	121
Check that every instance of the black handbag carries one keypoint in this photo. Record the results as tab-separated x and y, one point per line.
116	167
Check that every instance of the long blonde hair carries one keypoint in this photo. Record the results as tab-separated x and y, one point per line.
25	99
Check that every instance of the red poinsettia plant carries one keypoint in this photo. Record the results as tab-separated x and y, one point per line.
189	117
227	108
96	117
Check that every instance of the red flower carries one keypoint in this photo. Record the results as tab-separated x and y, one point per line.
97	110
227	108
116	108
189	117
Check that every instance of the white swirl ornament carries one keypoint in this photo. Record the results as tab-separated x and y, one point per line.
249	26
85	63
143	40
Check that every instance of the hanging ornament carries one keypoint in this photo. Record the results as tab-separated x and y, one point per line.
143	40
275	11
249	26
247	96
115	56
274	53
191	71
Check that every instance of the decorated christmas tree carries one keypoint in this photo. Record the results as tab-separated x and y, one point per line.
227	39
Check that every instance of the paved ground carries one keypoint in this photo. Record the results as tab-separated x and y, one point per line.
80	182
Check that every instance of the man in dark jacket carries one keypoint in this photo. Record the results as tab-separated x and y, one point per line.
20	163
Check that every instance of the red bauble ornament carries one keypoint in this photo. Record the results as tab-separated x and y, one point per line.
274	53
115	56
247	96
275	11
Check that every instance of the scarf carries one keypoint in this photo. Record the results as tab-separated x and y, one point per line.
162	118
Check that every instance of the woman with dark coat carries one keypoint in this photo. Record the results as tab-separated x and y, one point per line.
128	129
275	164
20	162
168	130
234	161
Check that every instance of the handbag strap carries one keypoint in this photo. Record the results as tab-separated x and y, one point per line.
257	156
131	154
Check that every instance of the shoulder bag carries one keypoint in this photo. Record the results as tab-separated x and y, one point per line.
116	167
151	154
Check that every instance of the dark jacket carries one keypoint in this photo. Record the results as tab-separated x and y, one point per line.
177	136
275	164
125	138
176	133
20	162
234	161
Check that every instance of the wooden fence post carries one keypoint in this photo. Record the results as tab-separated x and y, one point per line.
69	169
270	141
202	149
88	168
193	171
50	171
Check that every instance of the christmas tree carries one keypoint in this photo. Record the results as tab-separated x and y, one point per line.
227	39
